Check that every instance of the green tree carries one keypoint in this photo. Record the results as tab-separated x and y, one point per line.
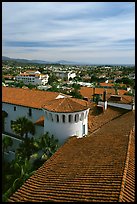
31	86
94	78
76	94
26	148
76	86
6	142
54	88
49	144
52	79
22	167
46	146
19	172
97	98
22	126
4	115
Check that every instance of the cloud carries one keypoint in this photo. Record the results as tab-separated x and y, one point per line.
62	28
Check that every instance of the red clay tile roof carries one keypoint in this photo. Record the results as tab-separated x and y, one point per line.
124	99
40	121
95	120
127	193
86	169
121	91
66	105
26	97
106	84
111	84
88	91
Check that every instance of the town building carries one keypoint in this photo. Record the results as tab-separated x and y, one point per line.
125	101
65	74
33	77
52	112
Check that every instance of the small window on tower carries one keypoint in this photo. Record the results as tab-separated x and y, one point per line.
14	108
63	118
57	118
82	116
70	118
76	118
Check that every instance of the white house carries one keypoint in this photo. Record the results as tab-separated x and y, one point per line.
33	77
51	112
65	74
119	101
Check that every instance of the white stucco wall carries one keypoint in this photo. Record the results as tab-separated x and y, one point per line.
104	104
119	105
39	131
62	130
20	112
71	75
33	80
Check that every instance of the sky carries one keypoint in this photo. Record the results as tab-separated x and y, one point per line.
84	32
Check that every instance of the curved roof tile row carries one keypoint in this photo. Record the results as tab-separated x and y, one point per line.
128	189
86	169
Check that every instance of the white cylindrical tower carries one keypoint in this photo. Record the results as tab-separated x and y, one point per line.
65	117
105	100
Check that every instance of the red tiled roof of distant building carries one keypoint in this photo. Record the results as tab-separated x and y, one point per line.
124	99
106	84
122	85
111	84
87	169
66	105
24	74
88	91
110	81
26	97
121	91
8	76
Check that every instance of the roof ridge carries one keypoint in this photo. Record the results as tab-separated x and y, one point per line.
60	102
125	168
70	104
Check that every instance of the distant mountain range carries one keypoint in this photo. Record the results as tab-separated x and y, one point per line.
38	61
63	62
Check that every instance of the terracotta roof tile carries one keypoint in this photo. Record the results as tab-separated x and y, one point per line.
111	84
128	191
66	105
27	97
85	169
121	91
88	91
106	84
40	121
124	99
